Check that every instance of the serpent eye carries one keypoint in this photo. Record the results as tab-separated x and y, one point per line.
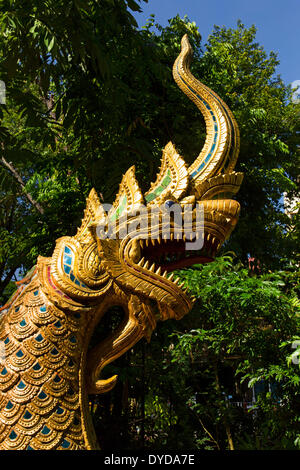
169	203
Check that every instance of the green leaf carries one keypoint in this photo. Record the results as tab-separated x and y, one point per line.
51	44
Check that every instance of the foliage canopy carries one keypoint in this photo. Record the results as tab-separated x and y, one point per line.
88	95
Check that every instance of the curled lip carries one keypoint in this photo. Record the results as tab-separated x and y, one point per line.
174	254
153	254
157	258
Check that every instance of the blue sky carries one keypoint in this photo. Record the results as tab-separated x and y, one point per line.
277	22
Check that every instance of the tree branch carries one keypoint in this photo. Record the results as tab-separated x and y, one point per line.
4	282
8	166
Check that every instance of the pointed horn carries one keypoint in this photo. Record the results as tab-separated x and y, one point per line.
221	146
129	196
173	177
93	212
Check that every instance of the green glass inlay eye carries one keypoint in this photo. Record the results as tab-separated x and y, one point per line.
150	197
167	180
21	385
68	260
13	435
73	339
46	430
57	379
157	191
67	269
119	209
67	250
65	444
27	415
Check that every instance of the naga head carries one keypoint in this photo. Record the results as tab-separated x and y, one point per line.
186	214
122	255
126	255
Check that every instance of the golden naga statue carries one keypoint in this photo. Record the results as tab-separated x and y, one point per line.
47	369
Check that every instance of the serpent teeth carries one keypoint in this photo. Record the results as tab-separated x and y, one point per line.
158	271
177	280
146	265
152	241
171	277
152	268
141	262
165	274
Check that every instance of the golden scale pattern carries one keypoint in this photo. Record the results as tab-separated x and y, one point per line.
38	384
47	369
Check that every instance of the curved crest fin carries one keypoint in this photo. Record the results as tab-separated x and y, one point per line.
172	179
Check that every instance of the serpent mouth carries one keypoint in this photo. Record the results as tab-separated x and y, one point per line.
154	258
171	254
